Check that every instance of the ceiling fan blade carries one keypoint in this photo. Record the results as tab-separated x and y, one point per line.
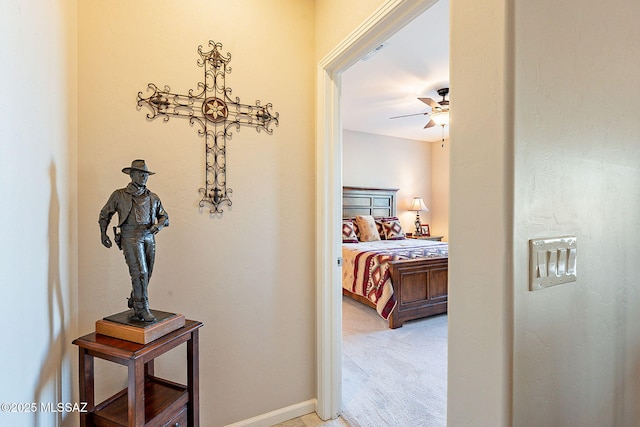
430	102
430	124
409	115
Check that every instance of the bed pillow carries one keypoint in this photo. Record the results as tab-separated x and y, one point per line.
368	228
379	221
349	232
392	229
355	227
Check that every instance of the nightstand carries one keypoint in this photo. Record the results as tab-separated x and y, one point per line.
436	238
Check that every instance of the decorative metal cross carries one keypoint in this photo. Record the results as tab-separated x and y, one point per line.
214	110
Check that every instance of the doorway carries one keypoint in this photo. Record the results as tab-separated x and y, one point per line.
388	20
385	144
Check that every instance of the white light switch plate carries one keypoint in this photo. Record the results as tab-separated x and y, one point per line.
552	261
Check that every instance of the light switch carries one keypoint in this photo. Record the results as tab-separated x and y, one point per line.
571	262
562	261
542	263
552	261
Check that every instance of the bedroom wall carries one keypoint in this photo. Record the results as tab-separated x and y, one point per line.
248	274
440	189
38	216
371	160
577	171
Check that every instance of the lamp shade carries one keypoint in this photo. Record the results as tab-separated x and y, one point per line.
441	118
418	205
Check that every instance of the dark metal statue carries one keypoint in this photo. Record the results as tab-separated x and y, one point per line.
140	217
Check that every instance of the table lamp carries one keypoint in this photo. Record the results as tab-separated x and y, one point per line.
418	205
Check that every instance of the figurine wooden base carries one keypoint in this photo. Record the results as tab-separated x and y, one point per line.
126	327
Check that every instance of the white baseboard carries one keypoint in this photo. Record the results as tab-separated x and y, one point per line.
279	415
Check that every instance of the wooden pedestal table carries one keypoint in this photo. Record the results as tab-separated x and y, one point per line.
148	400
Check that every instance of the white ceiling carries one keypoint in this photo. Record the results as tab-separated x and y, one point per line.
413	63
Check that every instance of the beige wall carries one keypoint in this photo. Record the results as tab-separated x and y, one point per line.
440	188
38	216
574	355
336	19
540	143
480	227
371	160
249	273
577	346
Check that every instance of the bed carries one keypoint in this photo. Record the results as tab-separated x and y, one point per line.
403	279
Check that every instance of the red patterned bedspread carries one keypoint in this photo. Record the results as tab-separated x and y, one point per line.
365	267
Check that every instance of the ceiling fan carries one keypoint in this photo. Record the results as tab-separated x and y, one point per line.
438	109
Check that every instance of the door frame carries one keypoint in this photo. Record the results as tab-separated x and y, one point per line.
392	16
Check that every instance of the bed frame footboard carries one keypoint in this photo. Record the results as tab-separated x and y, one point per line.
421	287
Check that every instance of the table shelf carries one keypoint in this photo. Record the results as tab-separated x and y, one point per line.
163	399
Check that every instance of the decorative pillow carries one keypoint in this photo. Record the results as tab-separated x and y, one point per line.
348	232
355	227
379	226
368	229
380	220
392	229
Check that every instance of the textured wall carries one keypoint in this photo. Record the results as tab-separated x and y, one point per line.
544	159
577	171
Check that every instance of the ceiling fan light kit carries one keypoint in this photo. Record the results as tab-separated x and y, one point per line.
439	115
441	118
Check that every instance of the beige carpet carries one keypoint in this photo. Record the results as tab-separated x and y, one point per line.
396	377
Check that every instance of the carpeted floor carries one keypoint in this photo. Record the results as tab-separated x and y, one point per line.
393	377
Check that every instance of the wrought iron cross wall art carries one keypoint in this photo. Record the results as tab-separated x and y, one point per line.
217	114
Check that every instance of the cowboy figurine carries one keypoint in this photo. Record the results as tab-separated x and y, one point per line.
140	217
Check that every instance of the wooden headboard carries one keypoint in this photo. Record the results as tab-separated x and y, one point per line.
368	201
